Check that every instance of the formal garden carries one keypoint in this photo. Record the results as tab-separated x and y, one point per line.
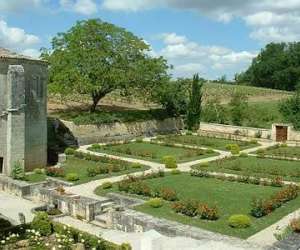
254	166
80	168
235	207
154	151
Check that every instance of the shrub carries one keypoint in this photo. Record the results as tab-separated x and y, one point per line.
96	147
69	151
107	185
42	223
136	165
72	177
55	172
18	172
295	225
277	182
188	207
175	172
168	194
207	213
92	171
155	203
239	221
233	148
114	168
170	162
79	154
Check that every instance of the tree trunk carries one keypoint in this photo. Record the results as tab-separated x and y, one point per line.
96	98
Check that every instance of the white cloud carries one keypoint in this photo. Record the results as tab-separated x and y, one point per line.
84	7
18	5
34	53
270	20
18	40
189	57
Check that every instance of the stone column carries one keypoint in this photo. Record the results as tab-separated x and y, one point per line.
16	117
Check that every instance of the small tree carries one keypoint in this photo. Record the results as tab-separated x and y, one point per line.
195	102
290	109
17	171
213	111
238	108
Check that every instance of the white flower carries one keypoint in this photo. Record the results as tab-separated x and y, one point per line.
82	241
47	244
58	240
59	246
3	242
65	227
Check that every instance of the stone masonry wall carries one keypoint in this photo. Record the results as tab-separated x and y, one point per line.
89	134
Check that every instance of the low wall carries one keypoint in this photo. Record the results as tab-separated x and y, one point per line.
89	134
233	132
134	221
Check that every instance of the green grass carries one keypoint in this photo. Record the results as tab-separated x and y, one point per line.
80	117
155	152
230	197
253	166
79	166
202	141
284	151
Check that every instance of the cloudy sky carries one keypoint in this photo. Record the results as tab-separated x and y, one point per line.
211	37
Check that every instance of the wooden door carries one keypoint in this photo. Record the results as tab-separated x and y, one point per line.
281	133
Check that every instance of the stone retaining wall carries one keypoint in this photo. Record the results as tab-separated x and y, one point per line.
89	134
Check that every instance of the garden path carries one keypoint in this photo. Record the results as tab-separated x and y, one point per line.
88	189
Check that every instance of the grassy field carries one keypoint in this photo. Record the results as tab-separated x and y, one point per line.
79	166
231	198
253	166
293	152
155	152
208	142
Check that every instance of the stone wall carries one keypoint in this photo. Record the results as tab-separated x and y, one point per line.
233	132
89	134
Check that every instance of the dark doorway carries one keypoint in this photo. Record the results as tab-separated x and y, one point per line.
281	133
1	165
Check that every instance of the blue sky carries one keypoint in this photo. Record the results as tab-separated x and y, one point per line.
213	37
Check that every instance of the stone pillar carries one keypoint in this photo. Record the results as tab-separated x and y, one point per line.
16	117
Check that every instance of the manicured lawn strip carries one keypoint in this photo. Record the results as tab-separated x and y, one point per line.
34	178
284	151
156	151
79	166
230	198
208	142
256	167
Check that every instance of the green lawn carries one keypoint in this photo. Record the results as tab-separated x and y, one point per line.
230	197
254	166
79	166
283	151
155	152
209	142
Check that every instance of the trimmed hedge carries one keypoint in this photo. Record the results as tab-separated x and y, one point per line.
239	221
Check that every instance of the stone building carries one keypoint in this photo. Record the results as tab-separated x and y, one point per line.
23	112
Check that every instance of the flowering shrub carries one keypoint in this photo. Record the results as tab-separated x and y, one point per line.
168	194
207	213
55	172
295	225
261	207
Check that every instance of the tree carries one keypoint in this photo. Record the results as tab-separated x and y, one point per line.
238	108
214	111
96	58
195	102
277	66
290	109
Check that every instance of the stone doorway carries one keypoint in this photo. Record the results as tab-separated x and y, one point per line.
281	133
1	165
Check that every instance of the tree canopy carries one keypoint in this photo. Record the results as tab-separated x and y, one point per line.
277	67
96	58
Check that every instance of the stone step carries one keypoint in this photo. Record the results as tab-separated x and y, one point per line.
99	224
107	205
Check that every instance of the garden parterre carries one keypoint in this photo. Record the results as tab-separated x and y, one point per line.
206	203
153	151
208	142
255	166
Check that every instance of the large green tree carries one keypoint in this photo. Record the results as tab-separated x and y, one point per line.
96	58
277	66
